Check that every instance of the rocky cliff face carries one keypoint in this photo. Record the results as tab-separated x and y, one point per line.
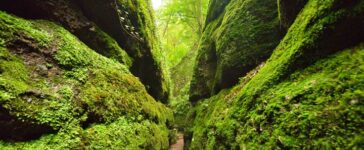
119	29
239	35
67	83
307	95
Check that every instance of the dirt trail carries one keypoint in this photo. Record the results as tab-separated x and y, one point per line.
180	143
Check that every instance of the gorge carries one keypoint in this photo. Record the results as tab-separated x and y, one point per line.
239	74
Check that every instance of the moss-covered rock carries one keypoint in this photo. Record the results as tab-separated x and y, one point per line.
288	11
131	23
109	27
68	94
71	17
181	75
216	8
308	95
236	39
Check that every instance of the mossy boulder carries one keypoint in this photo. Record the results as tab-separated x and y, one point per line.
70	95
307	95
68	14
119	29
237	38
131	23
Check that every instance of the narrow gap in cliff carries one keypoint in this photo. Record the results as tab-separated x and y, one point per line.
180	24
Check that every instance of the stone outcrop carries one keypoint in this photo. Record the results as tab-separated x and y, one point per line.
238	36
116	29
58	93
307	95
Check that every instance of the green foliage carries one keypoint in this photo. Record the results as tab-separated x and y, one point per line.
180	25
176	43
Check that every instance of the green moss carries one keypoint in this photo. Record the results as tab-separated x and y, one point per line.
75	54
68	137
147	49
11	85
288	10
108	47
121	134
79	85
13	24
124	133
216	8
234	43
318	107
302	40
306	96
107	96
318	103
203	75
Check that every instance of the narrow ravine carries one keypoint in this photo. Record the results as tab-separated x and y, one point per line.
181	74
266	74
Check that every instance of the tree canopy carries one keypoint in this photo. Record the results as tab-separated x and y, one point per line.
180	25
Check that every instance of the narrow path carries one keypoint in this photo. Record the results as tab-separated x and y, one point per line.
179	144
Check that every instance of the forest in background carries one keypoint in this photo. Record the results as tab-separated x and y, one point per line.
180	25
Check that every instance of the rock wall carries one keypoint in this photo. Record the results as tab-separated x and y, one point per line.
59	91
307	95
238	36
119	29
